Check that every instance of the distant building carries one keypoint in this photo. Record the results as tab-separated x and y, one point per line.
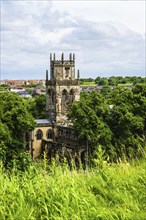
17	89
38	90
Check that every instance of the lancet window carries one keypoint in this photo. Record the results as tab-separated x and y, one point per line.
39	134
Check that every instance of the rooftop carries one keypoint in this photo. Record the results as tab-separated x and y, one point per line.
43	121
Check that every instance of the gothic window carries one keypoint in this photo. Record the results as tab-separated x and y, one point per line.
53	97
67	71
72	96
64	95
52	72
49	98
49	91
64	101
49	134
39	134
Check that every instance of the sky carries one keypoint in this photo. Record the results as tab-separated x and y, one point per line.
107	37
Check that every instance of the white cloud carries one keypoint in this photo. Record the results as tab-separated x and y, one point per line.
31	30
130	13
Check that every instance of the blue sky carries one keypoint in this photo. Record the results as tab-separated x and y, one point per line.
108	37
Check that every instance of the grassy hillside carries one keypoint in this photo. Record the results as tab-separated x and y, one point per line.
55	193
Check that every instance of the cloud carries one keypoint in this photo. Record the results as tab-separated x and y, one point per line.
30	31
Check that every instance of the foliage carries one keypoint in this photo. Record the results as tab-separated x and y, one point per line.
107	192
4	87
116	80
89	116
15	120
37	106
105	90
115	120
102	82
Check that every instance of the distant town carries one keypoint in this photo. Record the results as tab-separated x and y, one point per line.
33	87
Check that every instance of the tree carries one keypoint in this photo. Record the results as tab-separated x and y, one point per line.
140	89
112	81
117	122
37	106
102	82
15	121
105	91
88	117
127	121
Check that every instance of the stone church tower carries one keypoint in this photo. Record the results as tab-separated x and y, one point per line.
62	89
55	134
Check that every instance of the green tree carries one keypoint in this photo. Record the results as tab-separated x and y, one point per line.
102	82
127	121
119	126
15	121
112	81
37	106
89	116
105	91
140	89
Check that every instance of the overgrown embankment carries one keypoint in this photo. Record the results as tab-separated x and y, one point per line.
116	191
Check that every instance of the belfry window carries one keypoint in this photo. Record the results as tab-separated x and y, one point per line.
67	71
64	95
39	134
72	96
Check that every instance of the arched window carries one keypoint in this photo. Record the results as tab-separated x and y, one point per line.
64	95
49	134
49	91
53	96
72	95
67	71
64	101
39	134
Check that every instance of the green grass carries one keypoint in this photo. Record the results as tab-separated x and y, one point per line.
94	84
126	84
55	193
88	84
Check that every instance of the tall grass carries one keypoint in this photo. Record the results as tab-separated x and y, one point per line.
56	193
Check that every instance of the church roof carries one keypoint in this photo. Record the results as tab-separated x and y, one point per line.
42	121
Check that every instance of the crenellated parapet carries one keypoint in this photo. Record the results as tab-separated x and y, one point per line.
53	58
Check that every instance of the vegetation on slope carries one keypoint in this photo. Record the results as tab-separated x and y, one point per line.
114	123
109	192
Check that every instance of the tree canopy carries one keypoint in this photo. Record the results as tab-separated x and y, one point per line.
15	120
117	121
